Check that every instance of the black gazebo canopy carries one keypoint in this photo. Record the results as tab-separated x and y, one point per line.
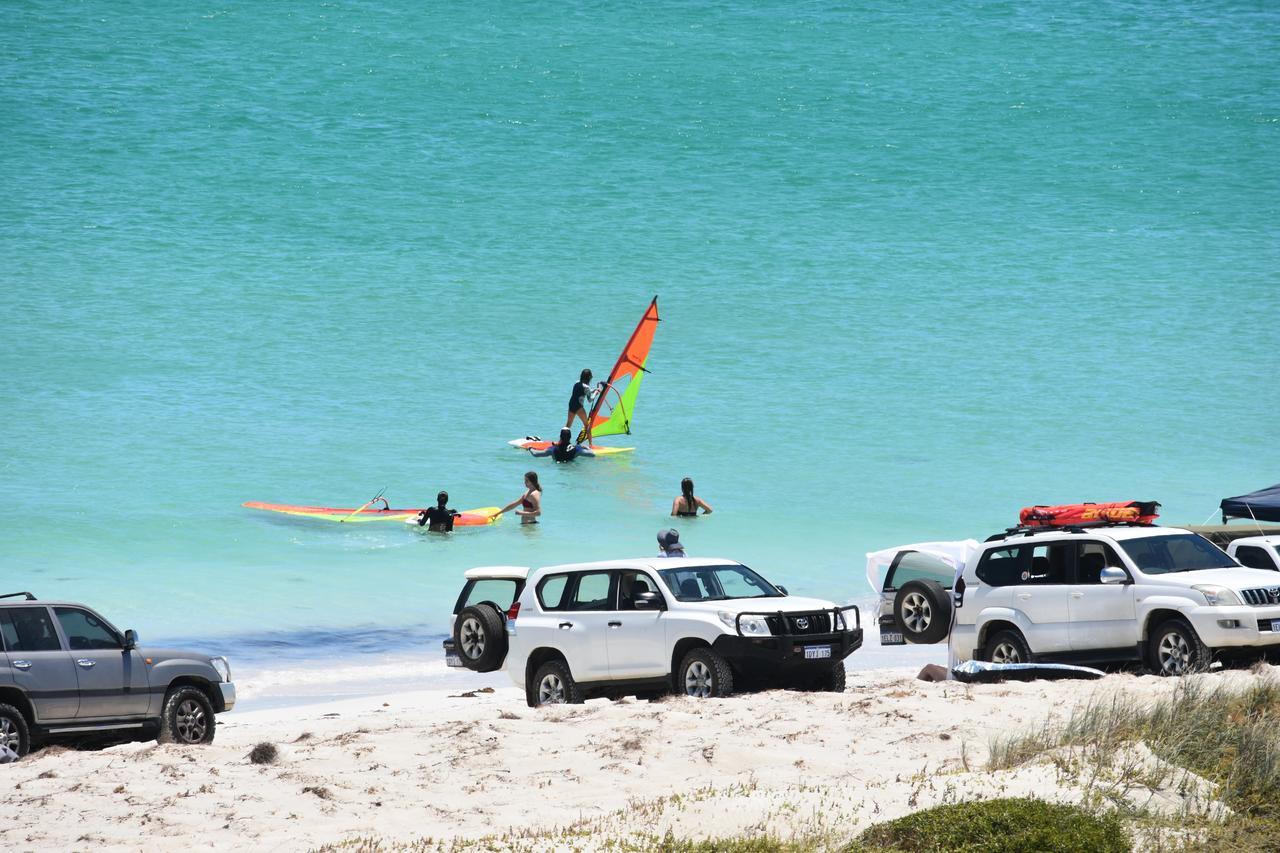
1263	505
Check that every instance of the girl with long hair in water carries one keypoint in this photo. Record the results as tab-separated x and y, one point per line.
530	502
687	505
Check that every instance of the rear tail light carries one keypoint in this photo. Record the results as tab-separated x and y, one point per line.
513	612
958	594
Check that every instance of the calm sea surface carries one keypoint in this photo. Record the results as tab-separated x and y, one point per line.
919	265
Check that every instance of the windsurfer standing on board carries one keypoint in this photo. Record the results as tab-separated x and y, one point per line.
564	450
579	399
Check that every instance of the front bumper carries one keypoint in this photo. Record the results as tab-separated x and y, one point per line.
790	651
228	691
1225	627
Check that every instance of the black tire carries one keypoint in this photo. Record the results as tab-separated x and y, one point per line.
833	680
187	717
704	674
480	637
1006	647
1174	648
922	609
553	684
14	732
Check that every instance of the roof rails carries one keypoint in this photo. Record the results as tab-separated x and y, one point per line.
28	596
1023	530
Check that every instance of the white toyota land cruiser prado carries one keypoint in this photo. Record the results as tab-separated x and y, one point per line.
647	627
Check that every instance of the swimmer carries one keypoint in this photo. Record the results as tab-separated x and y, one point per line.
686	506
530	502
438	518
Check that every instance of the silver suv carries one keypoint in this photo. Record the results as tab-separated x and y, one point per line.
67	672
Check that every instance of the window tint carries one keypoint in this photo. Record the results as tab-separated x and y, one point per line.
592	592
1048	564
1003	567
1180	552
914	566
85	631
551	592
501	592
29	629
630	584
1254	558
1094	557
717	583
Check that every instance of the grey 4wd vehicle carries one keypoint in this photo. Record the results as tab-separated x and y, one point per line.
65	672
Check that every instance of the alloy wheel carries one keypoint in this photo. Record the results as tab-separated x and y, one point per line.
472	636
190	721
1174	653
916	612
697	680
1006	652
9	734
551	690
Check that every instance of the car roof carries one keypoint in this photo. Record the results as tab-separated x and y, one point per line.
513	572
654	563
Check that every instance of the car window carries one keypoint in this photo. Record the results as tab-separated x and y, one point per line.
717	583
551	592
631	584
915	566
1093	558
1178	552
85	631
1048	565
1003	566
1254	557
29	629
501	591
592	592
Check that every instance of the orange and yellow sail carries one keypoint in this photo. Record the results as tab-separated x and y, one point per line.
615	406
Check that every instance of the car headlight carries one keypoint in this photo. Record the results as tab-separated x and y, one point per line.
1217	596
750	625
222	666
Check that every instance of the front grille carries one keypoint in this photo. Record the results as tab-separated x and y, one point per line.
1262	597
800	623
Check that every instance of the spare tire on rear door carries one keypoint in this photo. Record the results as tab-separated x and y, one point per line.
480	636
923	609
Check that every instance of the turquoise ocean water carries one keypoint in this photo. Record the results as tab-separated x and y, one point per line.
919	265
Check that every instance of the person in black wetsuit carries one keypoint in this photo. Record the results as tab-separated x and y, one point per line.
564	450
579	399
687	505
438	518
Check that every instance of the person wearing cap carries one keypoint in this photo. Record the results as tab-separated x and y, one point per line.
669	544
564	450
438	518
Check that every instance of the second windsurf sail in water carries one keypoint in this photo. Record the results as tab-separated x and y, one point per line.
386	512
615	405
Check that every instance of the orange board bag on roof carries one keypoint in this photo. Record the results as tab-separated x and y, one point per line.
1067	515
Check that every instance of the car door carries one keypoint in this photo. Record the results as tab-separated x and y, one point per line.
112	681
1103	616
1041	593
637	638
38	663
583	623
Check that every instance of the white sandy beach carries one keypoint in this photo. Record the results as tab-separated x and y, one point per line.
449	766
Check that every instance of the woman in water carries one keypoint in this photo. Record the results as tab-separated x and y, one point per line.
530	502
686	506
579	399
564	450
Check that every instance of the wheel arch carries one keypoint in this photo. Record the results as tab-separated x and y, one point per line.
201	684
1158	617
537	658
994	626
14	696
682	647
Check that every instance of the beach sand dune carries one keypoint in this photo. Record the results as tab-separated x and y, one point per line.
446	765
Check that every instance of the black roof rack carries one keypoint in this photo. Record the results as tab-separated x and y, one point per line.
28	596
1023	530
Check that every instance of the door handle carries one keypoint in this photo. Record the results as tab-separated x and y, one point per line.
565	626
615	624
1024	595
1077	595
22	664
86	663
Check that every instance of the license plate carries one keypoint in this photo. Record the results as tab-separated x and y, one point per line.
453	659
892	638
1275	625
816	652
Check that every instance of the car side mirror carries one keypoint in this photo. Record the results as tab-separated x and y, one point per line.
1113	575
130	639
782	589
647	601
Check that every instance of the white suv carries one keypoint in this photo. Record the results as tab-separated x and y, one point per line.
645	627
1165	596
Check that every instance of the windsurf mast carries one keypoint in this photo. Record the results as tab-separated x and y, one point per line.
614	407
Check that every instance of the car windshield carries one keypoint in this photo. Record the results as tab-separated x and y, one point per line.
1182	552
717	583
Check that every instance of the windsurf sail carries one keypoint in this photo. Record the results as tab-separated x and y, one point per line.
468	518
615	406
